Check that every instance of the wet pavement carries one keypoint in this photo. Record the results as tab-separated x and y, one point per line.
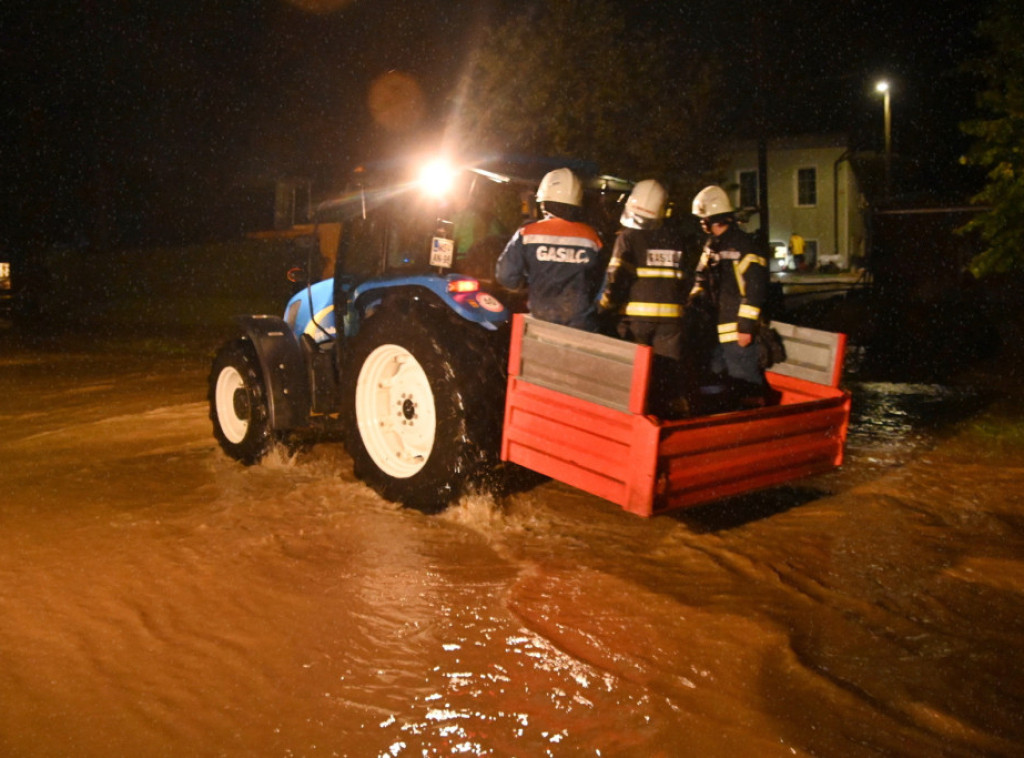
158	599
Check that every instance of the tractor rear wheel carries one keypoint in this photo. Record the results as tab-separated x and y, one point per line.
421	426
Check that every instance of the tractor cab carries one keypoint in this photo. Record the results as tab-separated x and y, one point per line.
428	226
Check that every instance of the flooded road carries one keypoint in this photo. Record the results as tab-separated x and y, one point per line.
158	599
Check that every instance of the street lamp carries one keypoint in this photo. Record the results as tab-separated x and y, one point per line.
883	87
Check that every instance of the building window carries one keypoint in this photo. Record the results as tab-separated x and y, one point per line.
807	186
748	189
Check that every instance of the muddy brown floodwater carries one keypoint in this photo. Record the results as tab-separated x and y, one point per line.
157	599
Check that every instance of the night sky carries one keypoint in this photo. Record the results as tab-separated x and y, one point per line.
128	122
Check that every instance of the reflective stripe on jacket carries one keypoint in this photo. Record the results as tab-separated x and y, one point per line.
562	263
734	275
646	277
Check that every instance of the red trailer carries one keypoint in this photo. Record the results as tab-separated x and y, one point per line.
576	411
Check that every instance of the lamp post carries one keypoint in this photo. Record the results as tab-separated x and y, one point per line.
883	87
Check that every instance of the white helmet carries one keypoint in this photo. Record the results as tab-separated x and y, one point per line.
645	207
711	201
560	186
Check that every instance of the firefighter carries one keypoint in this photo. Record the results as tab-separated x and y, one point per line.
646	284
731	282
559	258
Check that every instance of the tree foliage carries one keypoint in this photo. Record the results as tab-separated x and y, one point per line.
571	78
999	148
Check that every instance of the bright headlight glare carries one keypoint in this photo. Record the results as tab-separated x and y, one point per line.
437	178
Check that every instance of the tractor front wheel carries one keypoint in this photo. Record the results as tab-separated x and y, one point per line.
238	403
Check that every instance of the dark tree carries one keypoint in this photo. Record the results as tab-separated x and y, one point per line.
999	148
572	78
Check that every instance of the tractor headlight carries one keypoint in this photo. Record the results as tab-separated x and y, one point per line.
437	178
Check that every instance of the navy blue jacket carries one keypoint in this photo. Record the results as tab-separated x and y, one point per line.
562	263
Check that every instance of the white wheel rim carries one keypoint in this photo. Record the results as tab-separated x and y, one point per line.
234	427
395	411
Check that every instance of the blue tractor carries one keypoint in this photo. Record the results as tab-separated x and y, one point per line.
397	348
394	348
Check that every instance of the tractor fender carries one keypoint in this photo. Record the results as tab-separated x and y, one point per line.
283	367
476	306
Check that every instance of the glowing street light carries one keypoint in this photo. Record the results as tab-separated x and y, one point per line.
883	87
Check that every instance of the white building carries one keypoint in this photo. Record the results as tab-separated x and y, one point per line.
812	191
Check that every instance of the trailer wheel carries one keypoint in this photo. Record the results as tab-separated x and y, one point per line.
413	432
238	403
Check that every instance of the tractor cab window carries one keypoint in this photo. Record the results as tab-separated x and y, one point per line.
395	239
408	238
359	249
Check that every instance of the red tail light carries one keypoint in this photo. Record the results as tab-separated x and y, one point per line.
463	285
